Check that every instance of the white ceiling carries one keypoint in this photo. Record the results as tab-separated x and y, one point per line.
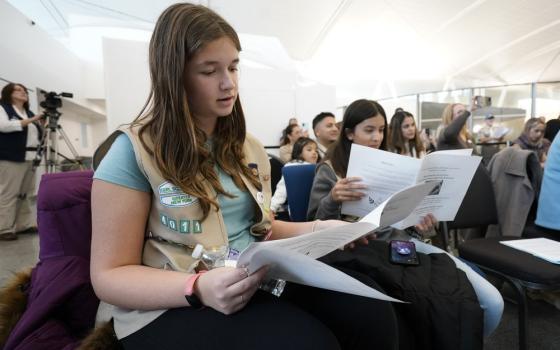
366	48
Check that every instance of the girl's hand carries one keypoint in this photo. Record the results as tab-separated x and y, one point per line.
426	225
227	289
347	189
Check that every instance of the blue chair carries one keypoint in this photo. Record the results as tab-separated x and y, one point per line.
298	179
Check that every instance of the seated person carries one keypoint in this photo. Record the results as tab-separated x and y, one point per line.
404	137
304	152
185	173
325	130
533	139
364	123
289	136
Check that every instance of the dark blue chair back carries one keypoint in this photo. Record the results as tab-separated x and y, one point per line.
298	179
276	165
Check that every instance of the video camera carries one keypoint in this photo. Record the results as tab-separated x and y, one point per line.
51	103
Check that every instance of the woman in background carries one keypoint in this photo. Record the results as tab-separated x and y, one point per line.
304	152
19	130
364	123
404	137
289	136
532	138
453	132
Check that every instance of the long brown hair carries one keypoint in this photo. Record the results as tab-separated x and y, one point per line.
179	146
396	140
358	111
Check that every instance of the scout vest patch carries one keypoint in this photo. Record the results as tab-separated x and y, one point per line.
172	196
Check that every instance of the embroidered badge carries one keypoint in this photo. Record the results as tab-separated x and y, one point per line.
172	196
260	197
266	177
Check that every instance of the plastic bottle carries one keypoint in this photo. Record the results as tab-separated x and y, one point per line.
214	257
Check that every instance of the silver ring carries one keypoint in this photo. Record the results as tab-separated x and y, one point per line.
241	298
246	271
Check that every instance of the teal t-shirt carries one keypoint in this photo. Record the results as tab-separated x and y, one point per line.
119	167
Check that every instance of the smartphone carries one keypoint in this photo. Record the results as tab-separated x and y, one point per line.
403	253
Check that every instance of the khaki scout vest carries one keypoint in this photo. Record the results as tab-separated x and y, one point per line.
175	222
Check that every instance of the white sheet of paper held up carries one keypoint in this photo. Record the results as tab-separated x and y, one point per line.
385	173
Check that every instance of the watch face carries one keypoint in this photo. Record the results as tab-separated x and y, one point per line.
194	301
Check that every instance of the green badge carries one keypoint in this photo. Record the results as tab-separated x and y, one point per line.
185	226
197	226
172	224
163	219
172	196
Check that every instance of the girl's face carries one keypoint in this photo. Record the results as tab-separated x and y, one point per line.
211	79
458	109
19	94
536	133
309	153
295	135
369	132
408	128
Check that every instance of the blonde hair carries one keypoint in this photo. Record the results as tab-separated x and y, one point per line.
447	118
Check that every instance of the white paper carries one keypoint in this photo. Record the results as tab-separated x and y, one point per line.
543	248
294	267
385	173
293	259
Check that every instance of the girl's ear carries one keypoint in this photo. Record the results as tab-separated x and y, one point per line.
349	134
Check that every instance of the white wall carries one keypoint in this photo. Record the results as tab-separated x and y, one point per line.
127	79
311	99
268	102
33	58
270	97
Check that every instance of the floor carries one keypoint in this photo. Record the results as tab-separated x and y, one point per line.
544	319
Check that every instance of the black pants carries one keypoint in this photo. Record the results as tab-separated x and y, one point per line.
303	318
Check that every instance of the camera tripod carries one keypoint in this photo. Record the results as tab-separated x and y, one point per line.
47	150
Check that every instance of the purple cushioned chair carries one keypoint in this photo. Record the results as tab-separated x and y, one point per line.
61	304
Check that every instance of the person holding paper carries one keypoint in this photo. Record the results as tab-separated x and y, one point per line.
364	123
404	137
185	173
490	133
